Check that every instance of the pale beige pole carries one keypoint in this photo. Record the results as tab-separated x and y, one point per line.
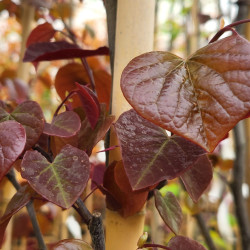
134	36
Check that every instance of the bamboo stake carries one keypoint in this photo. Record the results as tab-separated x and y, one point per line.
134	36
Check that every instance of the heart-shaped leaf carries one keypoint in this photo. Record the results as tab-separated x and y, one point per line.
61	181
18	201
200	98
149	155
66	124
42	33
30	115
71	244
169	210
12	142
197	178
184	243
48	51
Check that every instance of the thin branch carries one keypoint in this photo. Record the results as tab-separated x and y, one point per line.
96	231
94	223
205	231
236	185
227	28
31	211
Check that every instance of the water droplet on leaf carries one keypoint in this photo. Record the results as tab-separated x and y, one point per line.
75	158
23	169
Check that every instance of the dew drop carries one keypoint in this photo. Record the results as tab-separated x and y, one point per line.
75	158
82	161
23	169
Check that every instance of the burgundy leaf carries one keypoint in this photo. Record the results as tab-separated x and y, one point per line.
30	115
149	155
12	143
18	201
184	243
61	181
41	33
89	137
66	124
169	210
70	244
123	198
200	98
97	174
49	51
197	178
90	104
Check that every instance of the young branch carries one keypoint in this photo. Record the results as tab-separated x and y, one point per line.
94	223
31	211
227	28
205	231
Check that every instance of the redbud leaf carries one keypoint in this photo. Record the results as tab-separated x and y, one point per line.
48	51
149	154
90	104
30	115
41	33
197	178
71	244
184	243
200	98
89	137
66	124
61	181
12	143
169	210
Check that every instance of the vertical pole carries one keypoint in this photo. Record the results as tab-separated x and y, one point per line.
134	36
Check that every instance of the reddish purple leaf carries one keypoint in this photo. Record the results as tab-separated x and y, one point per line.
184	243
169	210
18	201
30	115
197	178
61	181
12	142
49	51
89	137
149	155
71	244
90	104
200	98
41	33
97	173
66	124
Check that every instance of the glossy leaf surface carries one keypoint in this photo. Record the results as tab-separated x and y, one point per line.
48	51
30	115
184	243
18	201
198	177
200	98
71	244
169	210
66	124
12	143
42	33
120	196
61	181
149	155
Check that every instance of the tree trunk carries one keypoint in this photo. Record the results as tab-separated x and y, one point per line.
134	36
